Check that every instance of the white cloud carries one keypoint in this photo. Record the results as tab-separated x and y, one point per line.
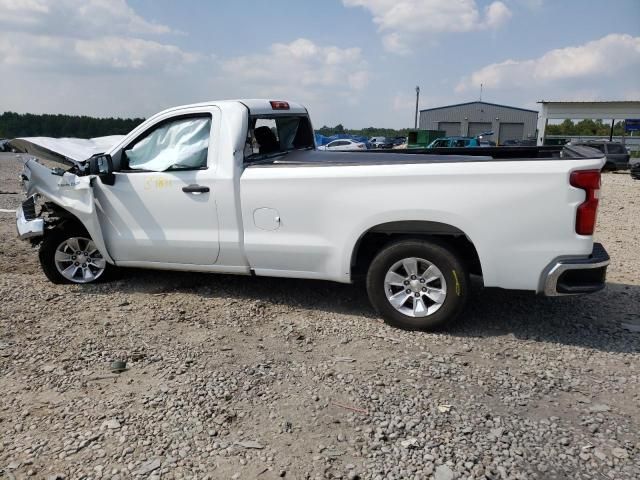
82	56
92	57
132	54
323	78
83	35
301	66
402	22
118	70
605	57
75	18
497	14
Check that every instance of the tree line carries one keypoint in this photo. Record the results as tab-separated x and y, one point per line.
585	127
13	125
567	127
364	132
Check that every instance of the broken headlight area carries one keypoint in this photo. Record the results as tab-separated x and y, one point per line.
29	208
35	216
29	225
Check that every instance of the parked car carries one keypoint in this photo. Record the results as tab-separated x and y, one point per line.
238	187
379	142
400	142
343	144
634	171
616	154
519	143
451	142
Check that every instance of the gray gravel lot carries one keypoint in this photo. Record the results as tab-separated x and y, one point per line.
238	377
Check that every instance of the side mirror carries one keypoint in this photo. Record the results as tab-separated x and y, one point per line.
102	166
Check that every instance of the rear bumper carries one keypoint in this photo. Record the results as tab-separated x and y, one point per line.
573	276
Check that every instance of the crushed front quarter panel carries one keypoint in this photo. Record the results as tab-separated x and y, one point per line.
72	193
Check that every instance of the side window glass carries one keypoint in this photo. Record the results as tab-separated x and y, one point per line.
176	145
615	148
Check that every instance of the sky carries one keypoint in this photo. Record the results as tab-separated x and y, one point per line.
354	62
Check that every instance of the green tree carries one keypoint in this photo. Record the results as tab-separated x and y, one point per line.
13	125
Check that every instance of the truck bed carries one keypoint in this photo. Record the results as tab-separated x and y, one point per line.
431	155
552	151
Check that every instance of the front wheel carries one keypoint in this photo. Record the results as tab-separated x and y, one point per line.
417	285
70	256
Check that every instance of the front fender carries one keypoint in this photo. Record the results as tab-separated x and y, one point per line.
71	193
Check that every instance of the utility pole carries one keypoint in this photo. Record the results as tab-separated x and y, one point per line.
480	92
415	122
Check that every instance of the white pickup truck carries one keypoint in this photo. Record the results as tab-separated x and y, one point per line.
239	187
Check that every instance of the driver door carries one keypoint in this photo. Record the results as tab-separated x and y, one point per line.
161	208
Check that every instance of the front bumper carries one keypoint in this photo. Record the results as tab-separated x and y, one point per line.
573	276
28	227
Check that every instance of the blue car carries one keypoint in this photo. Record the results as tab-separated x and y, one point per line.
452	142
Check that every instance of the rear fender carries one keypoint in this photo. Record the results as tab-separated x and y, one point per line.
70	192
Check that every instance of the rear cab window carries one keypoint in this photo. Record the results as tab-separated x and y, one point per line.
615	148
271	135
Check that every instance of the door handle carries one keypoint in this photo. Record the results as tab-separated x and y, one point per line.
193	188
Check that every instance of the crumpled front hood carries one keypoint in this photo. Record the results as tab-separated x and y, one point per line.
67	150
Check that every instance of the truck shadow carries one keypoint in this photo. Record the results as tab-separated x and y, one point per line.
592	321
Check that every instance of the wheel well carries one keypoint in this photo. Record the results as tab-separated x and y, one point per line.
380	236
57	216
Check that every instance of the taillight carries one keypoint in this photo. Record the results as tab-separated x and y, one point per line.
589	181
279	105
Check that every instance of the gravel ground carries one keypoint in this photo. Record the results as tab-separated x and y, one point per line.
238	377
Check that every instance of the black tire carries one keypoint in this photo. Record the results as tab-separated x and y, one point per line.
453	271
52	239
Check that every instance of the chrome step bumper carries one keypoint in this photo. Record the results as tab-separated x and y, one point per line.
574	276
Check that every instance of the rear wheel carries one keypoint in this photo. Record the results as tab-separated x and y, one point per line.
417	285
69	255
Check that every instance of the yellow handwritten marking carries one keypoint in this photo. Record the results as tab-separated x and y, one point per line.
157	183
458	288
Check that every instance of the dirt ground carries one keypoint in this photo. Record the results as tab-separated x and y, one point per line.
242	377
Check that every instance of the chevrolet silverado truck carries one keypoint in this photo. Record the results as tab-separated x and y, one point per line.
238	187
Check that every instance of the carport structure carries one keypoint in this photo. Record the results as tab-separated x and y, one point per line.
614	110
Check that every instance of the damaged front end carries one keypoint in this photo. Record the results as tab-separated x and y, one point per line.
28	223
55	196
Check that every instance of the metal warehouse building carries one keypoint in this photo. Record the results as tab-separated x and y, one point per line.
472	118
